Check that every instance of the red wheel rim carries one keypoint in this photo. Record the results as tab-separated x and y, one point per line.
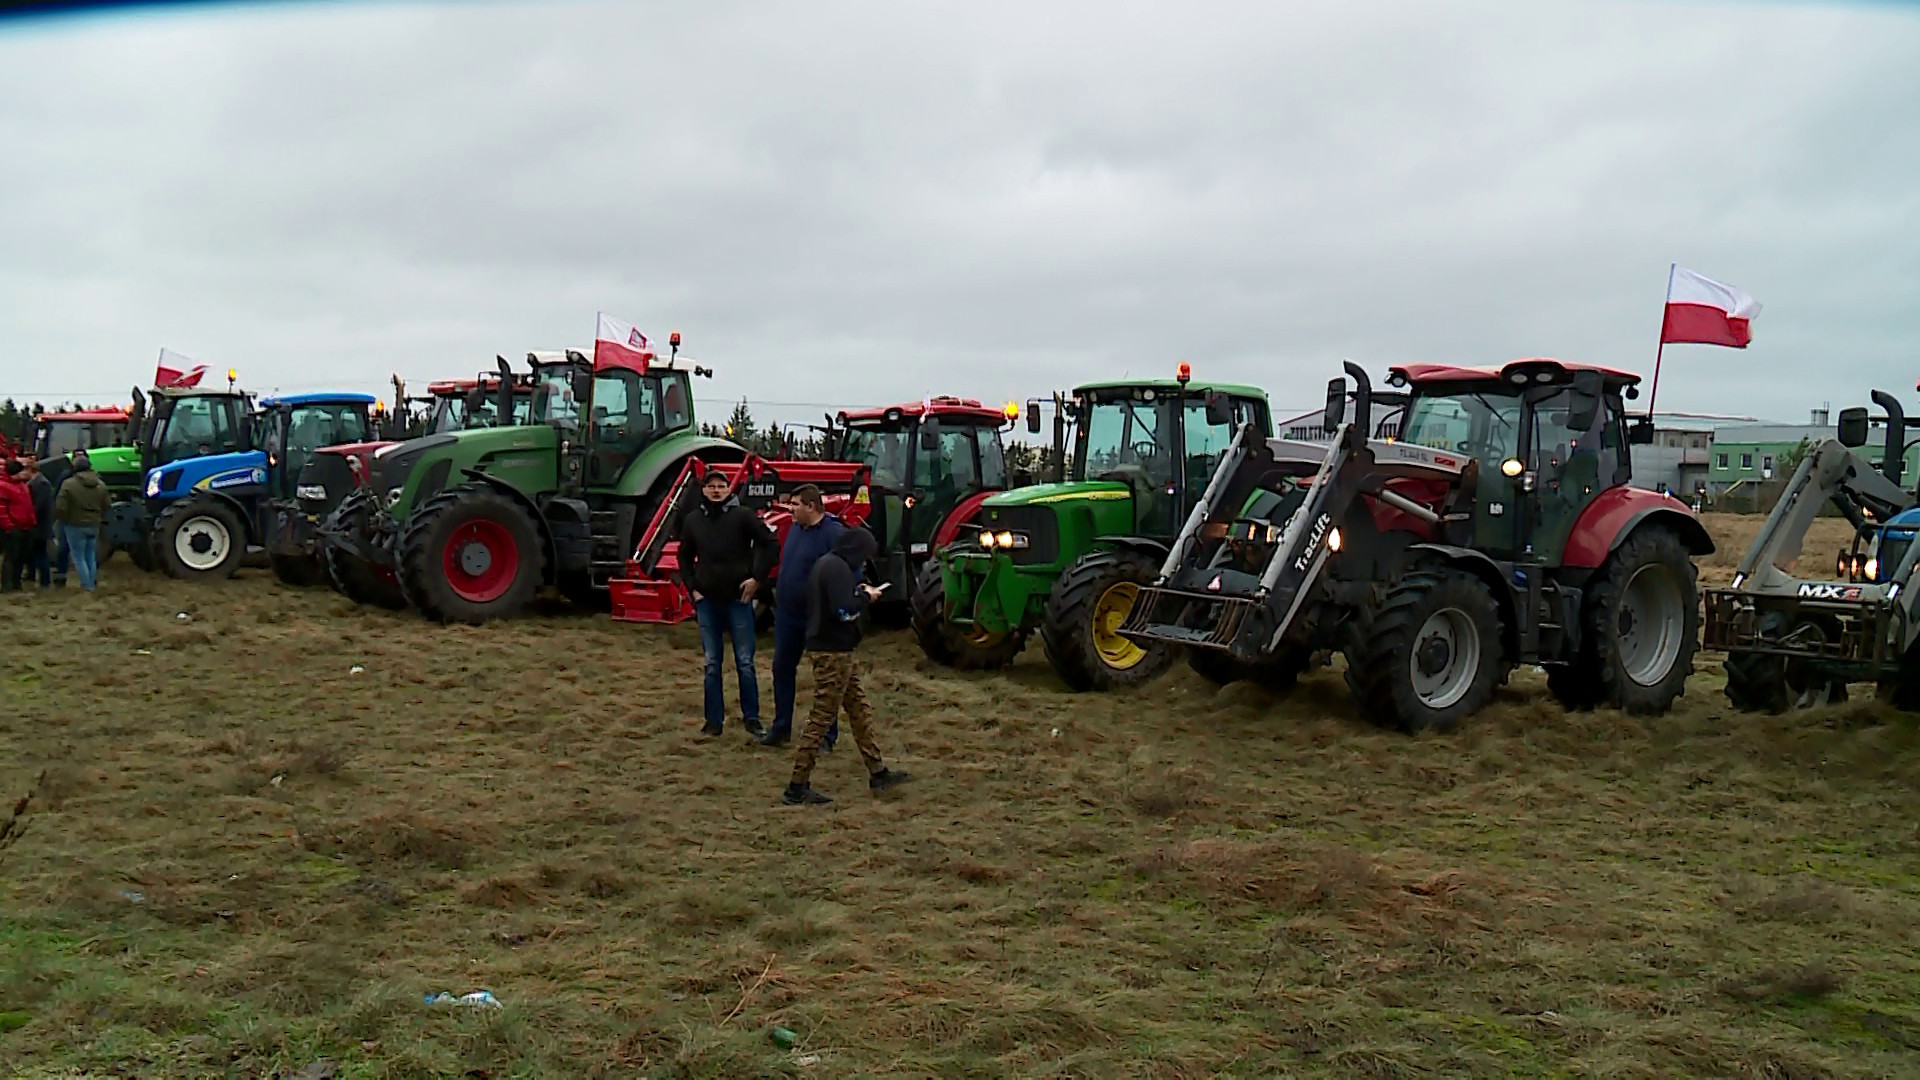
481	560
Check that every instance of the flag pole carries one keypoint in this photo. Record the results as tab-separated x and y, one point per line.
1653	394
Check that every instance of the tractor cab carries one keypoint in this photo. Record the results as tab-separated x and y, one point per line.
190	423
1545	440
60	433
291	428
1162	441
927	459
461	404
609	411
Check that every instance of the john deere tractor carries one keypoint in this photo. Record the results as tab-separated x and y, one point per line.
226	472
472	523
1068	558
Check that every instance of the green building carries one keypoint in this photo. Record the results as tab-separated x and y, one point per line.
1749	454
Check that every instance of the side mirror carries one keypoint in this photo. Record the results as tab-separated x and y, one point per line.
1640	433
1033	418
1336	413
1220	409
1853	427
1584	407
582	392
930	435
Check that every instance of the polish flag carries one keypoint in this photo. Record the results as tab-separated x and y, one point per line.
176	372
1702	311
620	345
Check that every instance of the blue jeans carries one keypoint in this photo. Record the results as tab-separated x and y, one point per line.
82	543
789	645
720	619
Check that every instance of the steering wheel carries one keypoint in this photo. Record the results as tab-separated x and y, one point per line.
1144	451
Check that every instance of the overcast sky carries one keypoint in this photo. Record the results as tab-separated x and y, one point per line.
859	202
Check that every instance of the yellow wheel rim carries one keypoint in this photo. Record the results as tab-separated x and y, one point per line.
1109	612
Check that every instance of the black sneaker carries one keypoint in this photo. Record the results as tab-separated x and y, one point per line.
803	795
753	729
711	731
887	778
772	738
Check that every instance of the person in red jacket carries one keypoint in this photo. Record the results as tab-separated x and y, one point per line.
17	526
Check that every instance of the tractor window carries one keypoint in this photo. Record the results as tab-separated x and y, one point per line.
60	437
993	459
553	400
1485	426
949	470
885	452
1120	440
310	427
200	425
676	401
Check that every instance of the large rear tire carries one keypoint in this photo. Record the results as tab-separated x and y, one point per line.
471	554
1429	655
954	646
1642	623
1278	673
199	538
352	576
1081	626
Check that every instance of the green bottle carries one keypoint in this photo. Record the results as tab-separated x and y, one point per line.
784	1038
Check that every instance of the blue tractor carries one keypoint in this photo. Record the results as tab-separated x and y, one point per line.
231	472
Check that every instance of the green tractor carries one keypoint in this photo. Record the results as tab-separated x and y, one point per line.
473	523
1069	557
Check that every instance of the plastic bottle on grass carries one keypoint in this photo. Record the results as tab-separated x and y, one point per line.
784	1038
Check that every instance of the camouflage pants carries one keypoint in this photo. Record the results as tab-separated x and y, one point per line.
836	684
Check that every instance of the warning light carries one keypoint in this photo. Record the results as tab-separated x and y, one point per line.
673	339
1013	410
1185	373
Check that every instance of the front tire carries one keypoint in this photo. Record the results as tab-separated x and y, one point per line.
1642	624
1081	627
199	539
1763	682
469	555
1429	655
954	646
352	576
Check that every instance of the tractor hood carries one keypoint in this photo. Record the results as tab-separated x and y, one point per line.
1073	491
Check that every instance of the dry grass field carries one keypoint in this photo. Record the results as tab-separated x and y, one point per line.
259	836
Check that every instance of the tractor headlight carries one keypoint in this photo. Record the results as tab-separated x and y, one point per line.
393	496
1871	570
1511	468
310	493
153	485
986	539
1840	565
1333	540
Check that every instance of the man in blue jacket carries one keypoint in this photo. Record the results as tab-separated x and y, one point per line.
813	533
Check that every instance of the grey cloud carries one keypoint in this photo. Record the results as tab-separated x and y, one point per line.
856	202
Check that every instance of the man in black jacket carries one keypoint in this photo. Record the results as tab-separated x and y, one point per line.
39	565
836	600
726	553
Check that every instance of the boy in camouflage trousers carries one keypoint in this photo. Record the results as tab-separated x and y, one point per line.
836	601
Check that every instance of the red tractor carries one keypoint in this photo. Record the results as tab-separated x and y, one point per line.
1498	530
651	590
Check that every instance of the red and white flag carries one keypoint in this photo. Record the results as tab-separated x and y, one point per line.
1702	311
176	372
620	345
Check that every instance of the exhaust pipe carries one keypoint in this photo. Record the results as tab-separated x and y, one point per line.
1893	463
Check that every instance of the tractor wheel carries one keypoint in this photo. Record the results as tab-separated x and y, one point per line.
299	571
199	539
1081	626
106	552
142	556
950	645
1642	624
1761	682
1429	655
471	554
1277	673
360	581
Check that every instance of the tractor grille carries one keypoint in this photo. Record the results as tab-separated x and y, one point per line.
329	473
1040	524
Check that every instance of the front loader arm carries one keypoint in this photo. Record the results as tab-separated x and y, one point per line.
1828	474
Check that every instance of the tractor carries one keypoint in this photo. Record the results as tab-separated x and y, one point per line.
473	523
1069	557
57	434
1497	530
933	464
1794	642
227	473
335	475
